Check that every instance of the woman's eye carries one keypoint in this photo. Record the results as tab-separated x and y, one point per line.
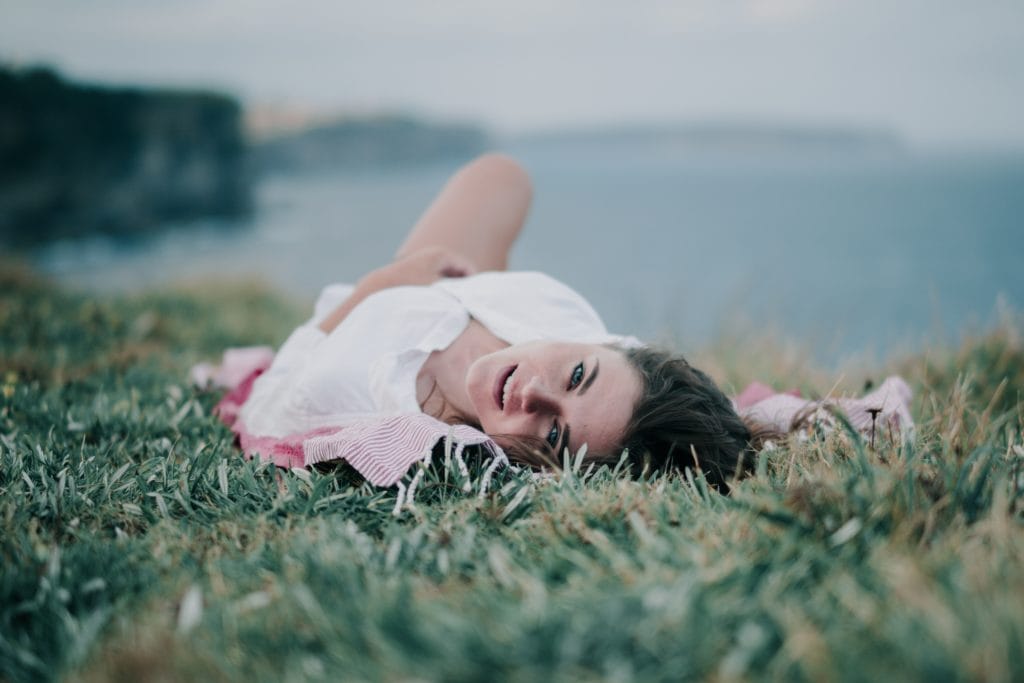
576	377
553	435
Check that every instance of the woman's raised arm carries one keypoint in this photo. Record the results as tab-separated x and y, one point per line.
469	227
478	214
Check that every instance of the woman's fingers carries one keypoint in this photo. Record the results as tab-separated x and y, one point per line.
428	265
455	265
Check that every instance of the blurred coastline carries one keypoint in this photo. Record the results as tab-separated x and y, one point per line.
82	159
848	237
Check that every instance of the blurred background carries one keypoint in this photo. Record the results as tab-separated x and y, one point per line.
846	174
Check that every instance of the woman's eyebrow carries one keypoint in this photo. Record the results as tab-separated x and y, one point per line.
590	380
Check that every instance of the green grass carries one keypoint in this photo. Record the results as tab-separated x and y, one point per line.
122	500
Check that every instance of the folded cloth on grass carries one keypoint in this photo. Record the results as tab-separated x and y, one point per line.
383	448
885	410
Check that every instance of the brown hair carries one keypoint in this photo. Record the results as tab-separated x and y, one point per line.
681	421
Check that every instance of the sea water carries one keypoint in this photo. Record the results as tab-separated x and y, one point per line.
845	253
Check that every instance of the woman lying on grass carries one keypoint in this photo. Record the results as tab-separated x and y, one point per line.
444	330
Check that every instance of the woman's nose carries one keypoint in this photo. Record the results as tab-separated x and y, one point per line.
537	398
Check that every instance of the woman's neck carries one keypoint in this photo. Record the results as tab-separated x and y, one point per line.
441	382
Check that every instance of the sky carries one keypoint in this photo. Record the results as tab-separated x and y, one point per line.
939	72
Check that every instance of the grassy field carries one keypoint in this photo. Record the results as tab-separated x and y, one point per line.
138	545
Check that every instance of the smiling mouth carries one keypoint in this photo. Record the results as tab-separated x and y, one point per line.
501	387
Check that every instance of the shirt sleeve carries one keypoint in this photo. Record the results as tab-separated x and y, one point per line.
526	306
270	407
367	364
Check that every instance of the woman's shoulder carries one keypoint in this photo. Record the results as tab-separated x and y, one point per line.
525	305
519	290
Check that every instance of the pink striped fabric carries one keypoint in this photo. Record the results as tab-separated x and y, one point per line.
885	411
384	449
381	449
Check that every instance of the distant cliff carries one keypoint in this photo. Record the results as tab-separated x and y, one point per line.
362	142
79	159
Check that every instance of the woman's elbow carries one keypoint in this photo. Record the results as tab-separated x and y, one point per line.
501	170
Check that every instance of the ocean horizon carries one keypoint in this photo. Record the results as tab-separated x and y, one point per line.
868	253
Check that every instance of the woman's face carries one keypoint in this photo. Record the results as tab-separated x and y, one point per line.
566	394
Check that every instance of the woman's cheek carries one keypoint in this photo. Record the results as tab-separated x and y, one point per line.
476	387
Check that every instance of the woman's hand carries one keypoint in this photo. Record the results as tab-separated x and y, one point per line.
421	267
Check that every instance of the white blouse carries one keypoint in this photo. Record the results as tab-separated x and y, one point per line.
368	364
